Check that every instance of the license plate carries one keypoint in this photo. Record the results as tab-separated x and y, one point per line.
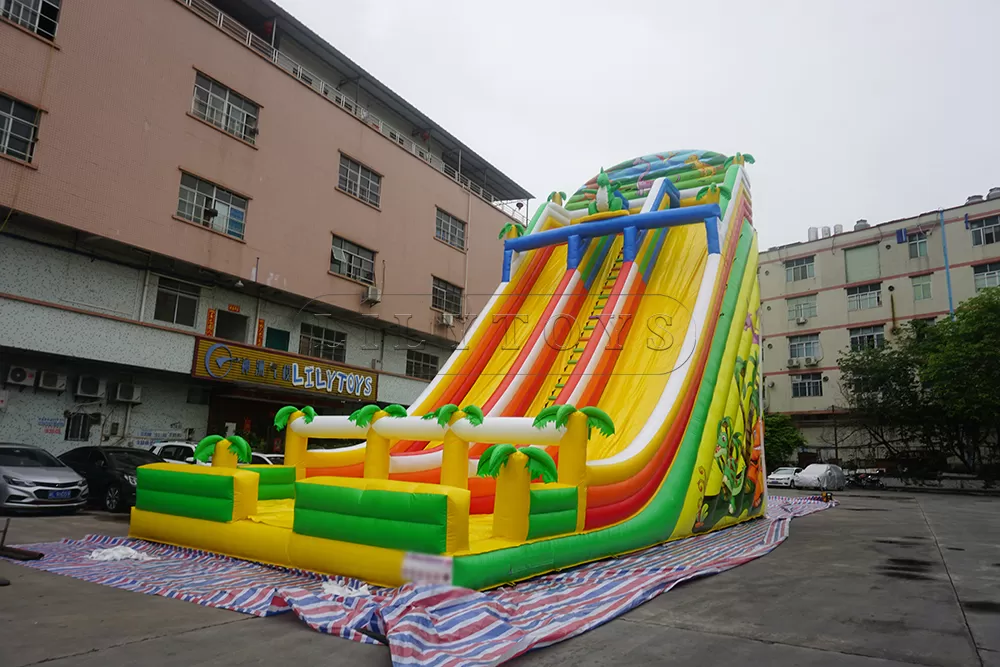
58	495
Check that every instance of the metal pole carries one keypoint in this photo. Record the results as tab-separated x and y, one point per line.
836	443
947	265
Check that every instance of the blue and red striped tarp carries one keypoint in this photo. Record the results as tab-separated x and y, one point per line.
431	626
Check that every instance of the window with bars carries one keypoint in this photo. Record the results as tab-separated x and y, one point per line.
421	364
800	269
176	302
78	427
210	206
807	385
918	244
324	343
862	337
803	346
449	229
446	297
986	275
351	260
360	181
228	111
985	231
18	128
39	16
921	287
801	306
864	297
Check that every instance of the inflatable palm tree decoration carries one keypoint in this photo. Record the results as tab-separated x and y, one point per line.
557	198
516	227
739	158
539	464
285	414
559	414
443	414
362	417
223	452
713	192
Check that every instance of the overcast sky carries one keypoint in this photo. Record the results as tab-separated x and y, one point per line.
870	109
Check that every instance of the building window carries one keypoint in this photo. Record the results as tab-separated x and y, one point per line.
446	297
800	269
986	275
864	297
176	302
353	261
918	244
231	113
276	339
360	181
39	16
921	287
803	346
862	337
807	385
323	343
231	326
801	306
449	229
78	427
18	128
985	231
211	206
421	365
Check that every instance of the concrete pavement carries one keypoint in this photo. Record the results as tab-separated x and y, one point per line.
890	579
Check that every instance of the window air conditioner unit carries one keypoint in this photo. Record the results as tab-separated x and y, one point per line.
51	381
21	376
801	320
811	361
794	363
372	294
128	393
446	319
88	386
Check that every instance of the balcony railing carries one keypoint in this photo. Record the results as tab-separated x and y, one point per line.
241	34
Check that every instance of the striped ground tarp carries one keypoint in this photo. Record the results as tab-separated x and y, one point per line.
431	626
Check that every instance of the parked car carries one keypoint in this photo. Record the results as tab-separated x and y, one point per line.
276	459
110	472
783	477
31	478
823	476
183	452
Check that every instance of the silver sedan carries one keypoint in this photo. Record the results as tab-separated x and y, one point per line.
31	478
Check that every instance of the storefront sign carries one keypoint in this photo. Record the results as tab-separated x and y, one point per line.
52	425
210	322
149	437
233	308
260	332
241	363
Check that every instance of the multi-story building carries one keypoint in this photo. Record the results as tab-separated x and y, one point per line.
843	290
207	212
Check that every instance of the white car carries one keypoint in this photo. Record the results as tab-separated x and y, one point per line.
183	452
822	476
783	477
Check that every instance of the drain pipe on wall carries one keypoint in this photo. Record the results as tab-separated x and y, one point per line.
947	265
468	246
145	290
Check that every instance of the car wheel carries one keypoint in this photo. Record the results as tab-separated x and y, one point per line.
791	485
113	499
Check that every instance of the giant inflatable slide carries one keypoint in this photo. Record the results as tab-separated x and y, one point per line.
605	400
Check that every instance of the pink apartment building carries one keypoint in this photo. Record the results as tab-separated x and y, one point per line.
201	200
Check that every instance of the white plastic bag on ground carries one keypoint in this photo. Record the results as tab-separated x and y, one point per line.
333	588
119	553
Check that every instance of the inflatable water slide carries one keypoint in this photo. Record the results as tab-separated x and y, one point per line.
606	399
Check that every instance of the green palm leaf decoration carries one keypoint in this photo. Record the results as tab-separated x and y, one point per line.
562	415
483	469
395	410
516	226
599	419
540	464
546	416
442	414
498	458
739	158
702	193
749	158
362	417
203	452
240	448
282	416
474	414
